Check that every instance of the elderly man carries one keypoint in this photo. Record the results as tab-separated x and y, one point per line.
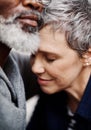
19	19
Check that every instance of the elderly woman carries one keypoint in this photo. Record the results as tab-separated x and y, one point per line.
63	68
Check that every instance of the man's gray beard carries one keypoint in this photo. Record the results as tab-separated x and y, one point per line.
13	36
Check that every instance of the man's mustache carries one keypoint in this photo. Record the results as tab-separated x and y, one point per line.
12	19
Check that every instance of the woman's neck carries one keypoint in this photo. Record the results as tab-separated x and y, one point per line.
76	92
4	52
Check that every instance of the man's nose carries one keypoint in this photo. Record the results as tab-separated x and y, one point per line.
33	4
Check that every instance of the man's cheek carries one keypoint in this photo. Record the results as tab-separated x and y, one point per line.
7	6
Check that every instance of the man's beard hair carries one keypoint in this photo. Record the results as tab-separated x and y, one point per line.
12	35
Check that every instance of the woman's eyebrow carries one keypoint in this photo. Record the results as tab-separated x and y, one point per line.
47	52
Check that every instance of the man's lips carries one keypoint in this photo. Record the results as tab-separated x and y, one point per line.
30	20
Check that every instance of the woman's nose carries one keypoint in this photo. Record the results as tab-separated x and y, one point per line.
38	67
33	4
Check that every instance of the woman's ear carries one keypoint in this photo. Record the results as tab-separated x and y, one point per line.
86	58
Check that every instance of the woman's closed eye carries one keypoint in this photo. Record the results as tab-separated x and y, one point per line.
50	59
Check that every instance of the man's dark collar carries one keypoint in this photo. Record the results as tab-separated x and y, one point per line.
4	52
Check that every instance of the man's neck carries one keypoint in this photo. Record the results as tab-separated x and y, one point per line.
4	52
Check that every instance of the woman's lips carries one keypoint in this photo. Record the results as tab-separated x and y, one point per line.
42	81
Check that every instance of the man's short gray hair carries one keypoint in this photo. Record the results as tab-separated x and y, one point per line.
74	18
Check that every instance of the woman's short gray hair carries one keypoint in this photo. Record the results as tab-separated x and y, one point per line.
74	18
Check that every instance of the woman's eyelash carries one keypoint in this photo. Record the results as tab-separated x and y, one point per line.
50	59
